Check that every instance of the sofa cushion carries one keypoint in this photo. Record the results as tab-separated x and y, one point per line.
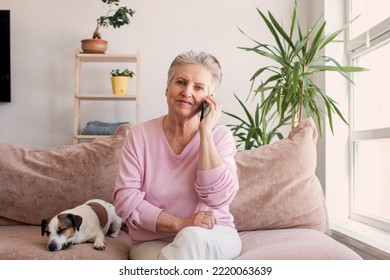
26	243
292	244
37	184
278	185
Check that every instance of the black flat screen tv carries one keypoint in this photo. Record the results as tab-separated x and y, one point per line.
5	57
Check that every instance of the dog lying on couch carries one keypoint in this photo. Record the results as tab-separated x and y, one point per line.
279	210
88	222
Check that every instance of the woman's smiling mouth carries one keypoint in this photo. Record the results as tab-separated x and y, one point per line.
185	102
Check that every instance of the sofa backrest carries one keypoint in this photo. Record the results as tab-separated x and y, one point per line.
37	184
278	186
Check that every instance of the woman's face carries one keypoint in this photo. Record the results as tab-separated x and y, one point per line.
187	90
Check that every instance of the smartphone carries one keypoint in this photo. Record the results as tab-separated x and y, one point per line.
204	110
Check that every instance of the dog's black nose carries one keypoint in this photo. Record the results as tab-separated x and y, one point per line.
52	247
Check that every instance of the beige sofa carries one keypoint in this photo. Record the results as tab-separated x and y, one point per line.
279	209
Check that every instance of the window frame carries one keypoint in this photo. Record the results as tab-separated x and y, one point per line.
375	37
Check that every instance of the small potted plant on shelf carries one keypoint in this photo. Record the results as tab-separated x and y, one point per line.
120	80
116	16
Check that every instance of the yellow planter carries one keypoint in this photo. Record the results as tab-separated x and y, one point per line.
120	84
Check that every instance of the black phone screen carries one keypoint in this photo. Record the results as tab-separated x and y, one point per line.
204	110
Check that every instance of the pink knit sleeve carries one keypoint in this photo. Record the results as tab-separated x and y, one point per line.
130	204
217	187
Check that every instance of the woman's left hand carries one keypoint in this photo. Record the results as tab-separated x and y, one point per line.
208	155
204	219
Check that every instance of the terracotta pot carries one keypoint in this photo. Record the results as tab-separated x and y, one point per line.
94	45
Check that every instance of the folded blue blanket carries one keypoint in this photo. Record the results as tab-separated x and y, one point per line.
101	128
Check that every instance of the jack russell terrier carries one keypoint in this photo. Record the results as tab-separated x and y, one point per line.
89	222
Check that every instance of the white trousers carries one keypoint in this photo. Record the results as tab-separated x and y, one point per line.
192	243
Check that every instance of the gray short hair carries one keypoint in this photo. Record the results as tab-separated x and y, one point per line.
200	58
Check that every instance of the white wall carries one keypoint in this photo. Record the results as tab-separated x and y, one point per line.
46	34
317	9
336	156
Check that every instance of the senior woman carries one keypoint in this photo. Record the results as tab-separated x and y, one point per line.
177	174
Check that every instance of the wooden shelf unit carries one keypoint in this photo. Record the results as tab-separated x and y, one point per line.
81	96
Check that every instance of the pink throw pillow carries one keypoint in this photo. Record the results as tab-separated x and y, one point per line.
278	185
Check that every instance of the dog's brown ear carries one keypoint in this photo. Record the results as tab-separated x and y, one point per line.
43	226
76	220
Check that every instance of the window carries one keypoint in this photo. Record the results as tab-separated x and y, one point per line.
370	114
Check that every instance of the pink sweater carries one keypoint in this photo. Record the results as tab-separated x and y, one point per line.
153	178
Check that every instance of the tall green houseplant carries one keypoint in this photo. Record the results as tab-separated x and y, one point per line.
257	129
288	87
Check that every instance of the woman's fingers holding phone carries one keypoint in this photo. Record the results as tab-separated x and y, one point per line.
213	114
213	103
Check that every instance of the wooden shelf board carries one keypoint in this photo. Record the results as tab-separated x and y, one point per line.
105	97
82	136
92	57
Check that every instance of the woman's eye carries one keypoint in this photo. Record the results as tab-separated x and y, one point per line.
198	88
